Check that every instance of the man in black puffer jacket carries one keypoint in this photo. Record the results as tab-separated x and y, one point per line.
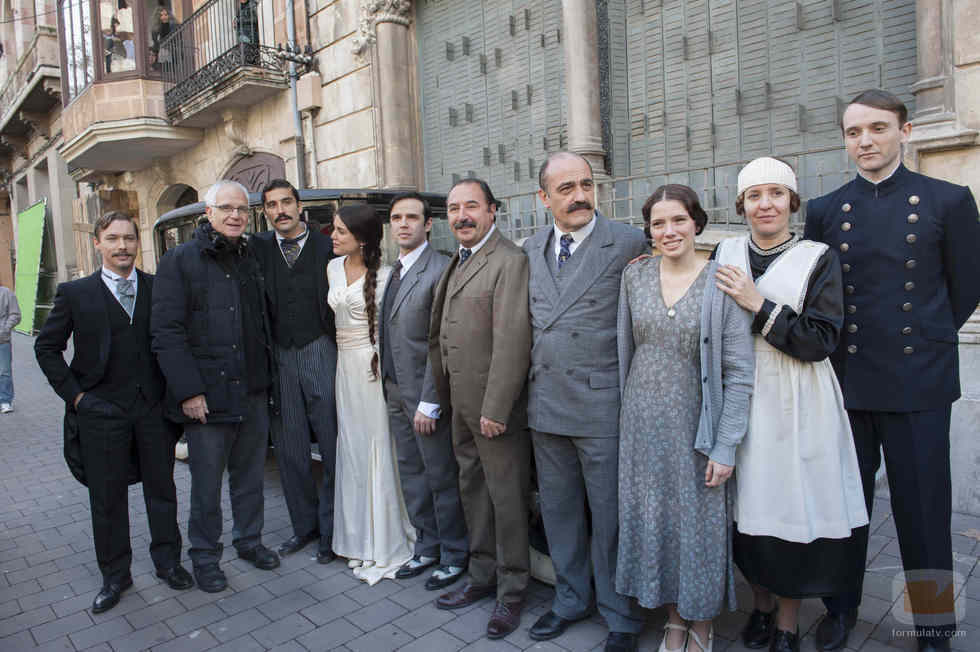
212	340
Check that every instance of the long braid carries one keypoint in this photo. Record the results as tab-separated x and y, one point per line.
372	260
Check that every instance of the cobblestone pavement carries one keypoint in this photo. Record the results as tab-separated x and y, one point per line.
48	576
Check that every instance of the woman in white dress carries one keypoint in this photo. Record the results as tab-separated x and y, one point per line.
371	526
799	486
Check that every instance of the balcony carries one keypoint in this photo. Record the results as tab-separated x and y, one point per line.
220	58
32	89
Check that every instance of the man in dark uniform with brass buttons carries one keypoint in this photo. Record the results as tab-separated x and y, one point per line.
907	245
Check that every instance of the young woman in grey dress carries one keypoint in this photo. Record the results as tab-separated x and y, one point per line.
686	369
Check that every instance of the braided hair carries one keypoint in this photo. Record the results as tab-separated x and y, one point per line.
367	229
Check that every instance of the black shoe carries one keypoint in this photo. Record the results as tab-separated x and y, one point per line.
622	642
297	543
109	596
783	641
550	626
325	556
758	630
833	630
260	557
176	578
210	578
415	567
443	577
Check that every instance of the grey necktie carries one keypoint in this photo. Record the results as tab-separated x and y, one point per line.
127	294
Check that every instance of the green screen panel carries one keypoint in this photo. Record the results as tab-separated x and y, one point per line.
30	236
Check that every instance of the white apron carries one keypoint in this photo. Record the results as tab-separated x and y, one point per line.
796	469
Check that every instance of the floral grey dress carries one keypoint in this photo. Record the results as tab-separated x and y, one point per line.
674	532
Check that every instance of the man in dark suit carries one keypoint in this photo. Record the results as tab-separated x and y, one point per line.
907	245
420	425
294	258
573	396
212	338
113	392
479	346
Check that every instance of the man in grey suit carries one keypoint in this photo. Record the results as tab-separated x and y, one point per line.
573	396
422	430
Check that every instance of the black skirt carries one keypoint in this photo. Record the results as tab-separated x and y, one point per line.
821	568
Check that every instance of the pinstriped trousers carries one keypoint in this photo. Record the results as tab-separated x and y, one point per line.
306	381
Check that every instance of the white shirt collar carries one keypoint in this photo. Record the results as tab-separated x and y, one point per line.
577	236
112	276
306	227
475	248
409	259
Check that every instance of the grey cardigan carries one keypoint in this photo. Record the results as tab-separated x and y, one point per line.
9	313
727	364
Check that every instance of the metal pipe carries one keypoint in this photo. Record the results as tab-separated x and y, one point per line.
293	100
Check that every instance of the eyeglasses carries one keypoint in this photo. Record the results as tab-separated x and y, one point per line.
228	208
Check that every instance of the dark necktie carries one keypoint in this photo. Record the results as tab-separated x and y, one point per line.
464	254
291	248
394	282
127	295
565	252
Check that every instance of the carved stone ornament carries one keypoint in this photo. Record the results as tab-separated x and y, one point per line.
379	11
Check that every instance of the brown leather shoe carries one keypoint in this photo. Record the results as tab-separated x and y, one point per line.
465	596
505	619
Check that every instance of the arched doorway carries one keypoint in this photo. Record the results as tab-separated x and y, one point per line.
173	197
256	170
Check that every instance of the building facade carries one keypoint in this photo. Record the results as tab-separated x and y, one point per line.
150	101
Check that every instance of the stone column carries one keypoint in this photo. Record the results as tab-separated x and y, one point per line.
386	25
580	37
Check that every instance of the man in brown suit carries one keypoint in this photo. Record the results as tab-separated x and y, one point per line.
480	347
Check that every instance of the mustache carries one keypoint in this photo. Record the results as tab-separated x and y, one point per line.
579	205
282	217
464	224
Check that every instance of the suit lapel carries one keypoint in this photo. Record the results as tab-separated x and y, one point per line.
598	257
474	264
411	279
540	249
100	312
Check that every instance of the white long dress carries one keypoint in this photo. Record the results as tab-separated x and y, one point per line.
370	520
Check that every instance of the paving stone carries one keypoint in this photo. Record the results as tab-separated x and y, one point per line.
437	640
19	641
240	644
194	641
376	614
32	572
291	582
155	613
330	636
25	620
468	626
64	645
330	609
195	619
143	639
332	585
282	630
238	625
107	631
366	594
287	604
423	620
61	627
486	645
252	597
288	646
384	639
49	596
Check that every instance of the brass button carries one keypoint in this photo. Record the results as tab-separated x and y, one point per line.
910	263
910	238
906	307
907	330
846	267
846	226
846	208
913	218
908	350
851	348
844	246
914	200
909	285
852	328
851	309
849	289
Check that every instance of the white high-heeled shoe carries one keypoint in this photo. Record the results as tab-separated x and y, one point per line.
697	640
663	643
354	563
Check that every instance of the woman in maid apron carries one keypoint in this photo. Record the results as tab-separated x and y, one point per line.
799	491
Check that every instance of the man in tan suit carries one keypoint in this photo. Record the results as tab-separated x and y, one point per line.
480	347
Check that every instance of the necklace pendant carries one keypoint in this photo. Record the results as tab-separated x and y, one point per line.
671	313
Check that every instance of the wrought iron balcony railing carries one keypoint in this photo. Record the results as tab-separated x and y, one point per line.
218	39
